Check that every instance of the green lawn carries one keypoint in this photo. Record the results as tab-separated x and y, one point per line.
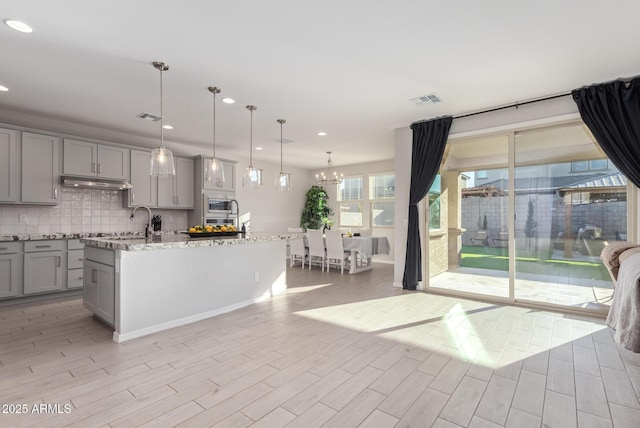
498	259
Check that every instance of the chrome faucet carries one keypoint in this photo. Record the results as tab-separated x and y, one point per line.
147	229
237	213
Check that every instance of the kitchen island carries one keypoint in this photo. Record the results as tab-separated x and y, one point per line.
143	286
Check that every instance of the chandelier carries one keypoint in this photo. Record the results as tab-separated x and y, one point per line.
330	177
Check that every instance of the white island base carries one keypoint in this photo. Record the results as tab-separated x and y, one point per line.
171	287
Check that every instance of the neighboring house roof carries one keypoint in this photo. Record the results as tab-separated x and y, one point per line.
549	184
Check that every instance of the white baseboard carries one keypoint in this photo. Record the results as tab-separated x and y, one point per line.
123	337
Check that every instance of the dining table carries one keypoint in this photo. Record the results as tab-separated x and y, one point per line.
363	248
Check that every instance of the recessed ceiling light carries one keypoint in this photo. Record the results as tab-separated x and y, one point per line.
258	148
322	134
228	100
167	126
18	25
3	88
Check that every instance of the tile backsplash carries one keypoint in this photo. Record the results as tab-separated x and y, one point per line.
83	211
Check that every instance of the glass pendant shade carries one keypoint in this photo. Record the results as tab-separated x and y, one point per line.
252	177
214	171
214	168
161	163
283	180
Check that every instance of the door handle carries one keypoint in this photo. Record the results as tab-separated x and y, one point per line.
93	167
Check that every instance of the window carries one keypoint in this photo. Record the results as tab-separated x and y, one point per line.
350	201
592	165
481	174
434	204
381	196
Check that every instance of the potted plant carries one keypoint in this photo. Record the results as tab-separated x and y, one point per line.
316	209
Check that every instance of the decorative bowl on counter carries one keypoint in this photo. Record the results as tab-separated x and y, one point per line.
210	234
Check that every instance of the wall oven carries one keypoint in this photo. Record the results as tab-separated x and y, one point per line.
214	206
221	220
219	211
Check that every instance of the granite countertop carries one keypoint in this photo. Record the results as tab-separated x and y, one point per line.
53	236
163	242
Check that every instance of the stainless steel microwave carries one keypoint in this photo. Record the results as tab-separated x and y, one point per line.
217	205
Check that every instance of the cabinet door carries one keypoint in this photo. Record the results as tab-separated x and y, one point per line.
229	177
166	192
44	271
99	290
8	165
185	177
9	266
80	158
144	185
90	286
40	168
113	162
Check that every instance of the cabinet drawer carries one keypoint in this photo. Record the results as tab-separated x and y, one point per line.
10	247
74	244
33	246
75	278
74	259
106	257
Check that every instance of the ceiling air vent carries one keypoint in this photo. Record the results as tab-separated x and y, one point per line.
426	100
148	116
285	141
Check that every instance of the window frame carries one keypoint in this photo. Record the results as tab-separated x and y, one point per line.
341	201
373	200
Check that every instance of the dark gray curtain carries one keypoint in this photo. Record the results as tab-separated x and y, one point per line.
429	141
612	113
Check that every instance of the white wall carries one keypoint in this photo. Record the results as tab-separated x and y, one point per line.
542	113
267	209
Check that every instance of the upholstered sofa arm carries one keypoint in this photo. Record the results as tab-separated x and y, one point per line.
613	254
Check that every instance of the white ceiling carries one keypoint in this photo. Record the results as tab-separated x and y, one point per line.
345	67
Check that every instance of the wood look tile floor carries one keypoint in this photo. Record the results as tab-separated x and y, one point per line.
335	351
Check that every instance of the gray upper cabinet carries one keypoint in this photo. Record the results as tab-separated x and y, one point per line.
229	177
40	165
95	160
144	185
8	165
178	191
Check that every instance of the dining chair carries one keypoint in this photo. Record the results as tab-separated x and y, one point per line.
297	251
336	255
316	246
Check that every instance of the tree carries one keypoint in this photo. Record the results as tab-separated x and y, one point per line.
530	224
316	210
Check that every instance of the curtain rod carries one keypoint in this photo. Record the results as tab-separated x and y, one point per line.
516	105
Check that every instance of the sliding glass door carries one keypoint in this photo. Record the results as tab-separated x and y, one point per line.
527	215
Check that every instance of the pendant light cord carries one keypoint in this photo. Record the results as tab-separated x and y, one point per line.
251	140
214	124
281	122
161	113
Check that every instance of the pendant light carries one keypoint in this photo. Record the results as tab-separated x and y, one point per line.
161	158
252	177
283	180
214	169
331	176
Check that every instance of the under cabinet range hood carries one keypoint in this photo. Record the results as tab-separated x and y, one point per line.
94	183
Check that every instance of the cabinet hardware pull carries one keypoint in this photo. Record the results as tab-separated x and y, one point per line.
55	193
43	246
59	261
4	248
177	200
80	277
133	197
94	275
93	167
99	168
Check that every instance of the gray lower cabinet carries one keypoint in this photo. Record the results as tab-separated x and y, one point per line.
44	267
75	257
99	283
10	268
